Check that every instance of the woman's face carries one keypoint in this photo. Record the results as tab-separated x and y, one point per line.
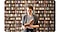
29	11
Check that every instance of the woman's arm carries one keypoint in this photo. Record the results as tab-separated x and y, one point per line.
34	26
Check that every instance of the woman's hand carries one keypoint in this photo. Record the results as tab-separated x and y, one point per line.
23	27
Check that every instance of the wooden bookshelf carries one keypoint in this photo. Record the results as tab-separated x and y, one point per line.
45	10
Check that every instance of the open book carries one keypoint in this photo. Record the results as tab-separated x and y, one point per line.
30	23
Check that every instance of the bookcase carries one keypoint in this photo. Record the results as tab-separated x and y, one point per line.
44	9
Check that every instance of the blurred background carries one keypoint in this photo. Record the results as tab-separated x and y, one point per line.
15	9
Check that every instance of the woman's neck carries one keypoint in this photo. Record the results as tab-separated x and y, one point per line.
30	15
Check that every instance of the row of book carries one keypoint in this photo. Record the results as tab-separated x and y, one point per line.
15	9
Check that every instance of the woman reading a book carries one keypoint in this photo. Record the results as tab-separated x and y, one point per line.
30	21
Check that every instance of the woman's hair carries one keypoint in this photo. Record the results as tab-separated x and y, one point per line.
30	7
